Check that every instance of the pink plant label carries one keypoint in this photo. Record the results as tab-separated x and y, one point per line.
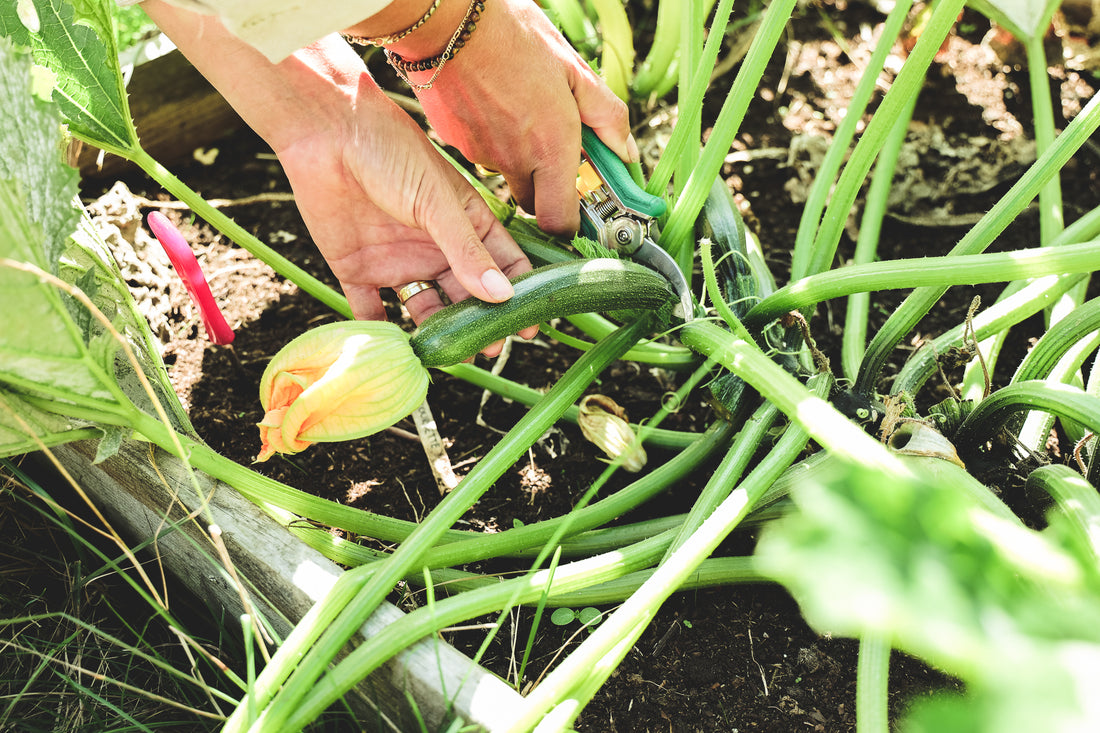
183	259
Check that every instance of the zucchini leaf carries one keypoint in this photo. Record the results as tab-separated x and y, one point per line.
52	349
76	43
1013	613
25	428
40	345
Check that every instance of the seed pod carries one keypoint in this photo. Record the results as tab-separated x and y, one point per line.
337	382
603	422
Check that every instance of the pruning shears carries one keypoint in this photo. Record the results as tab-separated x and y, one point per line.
621	216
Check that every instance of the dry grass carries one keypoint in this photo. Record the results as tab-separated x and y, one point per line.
80	648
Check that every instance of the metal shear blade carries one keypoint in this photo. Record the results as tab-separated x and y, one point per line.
651	255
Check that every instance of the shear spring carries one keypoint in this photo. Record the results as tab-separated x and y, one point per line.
604	209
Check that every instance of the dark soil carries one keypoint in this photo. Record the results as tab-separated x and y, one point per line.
725	659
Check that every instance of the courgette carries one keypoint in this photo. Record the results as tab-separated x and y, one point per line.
459	331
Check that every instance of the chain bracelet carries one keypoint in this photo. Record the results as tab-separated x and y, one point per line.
395	37
458	40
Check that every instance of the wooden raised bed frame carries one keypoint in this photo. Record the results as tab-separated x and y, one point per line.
140	485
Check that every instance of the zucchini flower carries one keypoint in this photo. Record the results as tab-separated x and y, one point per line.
337	382
603	422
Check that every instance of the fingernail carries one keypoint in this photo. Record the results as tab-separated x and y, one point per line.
632	149
497	285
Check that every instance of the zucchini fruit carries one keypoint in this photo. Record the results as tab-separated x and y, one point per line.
459	331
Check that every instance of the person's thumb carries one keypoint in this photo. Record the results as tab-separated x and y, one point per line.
448	224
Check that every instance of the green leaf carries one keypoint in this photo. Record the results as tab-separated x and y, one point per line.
562	616
50	344
589	616
38	342
1012	612
110	443
1025	19
77	43
30	134
25	428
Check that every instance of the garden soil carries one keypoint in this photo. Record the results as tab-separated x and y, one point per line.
737	658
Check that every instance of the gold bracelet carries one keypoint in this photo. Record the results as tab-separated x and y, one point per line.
395	37
458	40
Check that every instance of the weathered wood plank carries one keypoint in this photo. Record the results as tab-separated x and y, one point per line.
148	493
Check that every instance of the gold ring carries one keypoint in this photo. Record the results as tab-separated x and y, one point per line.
485	172
416	286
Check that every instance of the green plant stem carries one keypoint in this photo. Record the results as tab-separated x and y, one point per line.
1035	430
574	23
979	237
583	544
842	141
238	234
998	317
1059	339
424	621
1077	500
459	545
872	685
854	340
669	356
552	544
1042	110
690	104
370	588
691	47
821	420
263	490
1085	228
714	571
678	232
565	691
906	86
924	271
514	541
921	366
710	279
617	60
662	54
536	620
991	414
658	437
642	355
727	475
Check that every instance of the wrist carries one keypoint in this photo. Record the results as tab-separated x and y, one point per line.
418	36
432	66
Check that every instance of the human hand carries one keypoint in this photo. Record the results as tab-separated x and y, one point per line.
382	205
513	99
385	209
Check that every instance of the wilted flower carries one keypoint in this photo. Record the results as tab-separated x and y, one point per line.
336	382
604	423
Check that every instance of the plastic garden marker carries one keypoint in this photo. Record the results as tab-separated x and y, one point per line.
183	259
